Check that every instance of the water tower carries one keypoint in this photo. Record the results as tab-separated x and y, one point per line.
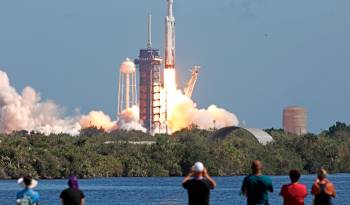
295	120
127	96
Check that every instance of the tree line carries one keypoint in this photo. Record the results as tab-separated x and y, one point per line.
95	153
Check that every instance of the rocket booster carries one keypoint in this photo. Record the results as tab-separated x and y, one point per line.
170	37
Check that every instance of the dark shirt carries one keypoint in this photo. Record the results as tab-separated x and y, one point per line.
256	189
72	196
323	198
198	191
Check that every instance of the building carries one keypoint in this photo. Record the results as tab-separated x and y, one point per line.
149	64
295	120
260	135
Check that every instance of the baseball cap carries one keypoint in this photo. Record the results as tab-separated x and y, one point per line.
198	167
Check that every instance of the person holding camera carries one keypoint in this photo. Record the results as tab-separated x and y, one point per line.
198	184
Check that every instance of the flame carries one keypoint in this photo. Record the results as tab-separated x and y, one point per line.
170	90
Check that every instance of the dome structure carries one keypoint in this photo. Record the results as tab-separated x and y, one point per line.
260	135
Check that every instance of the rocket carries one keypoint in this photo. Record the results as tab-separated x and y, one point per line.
170	37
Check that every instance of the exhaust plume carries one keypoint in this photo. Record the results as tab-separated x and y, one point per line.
129	119
183	112
26	111
98	119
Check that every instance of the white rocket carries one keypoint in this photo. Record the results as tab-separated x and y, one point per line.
170	37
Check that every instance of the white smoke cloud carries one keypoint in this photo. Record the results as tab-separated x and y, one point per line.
183	112
98	119
129	119
26	111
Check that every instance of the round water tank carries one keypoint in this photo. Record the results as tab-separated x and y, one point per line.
127	66
295	120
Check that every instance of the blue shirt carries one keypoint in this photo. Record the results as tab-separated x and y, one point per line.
34	196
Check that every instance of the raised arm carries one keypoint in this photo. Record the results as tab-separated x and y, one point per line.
188	177
315	189
211	180
331	189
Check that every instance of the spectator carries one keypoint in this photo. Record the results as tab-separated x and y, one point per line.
294	193
323	189
27	196
198	184
256	186
72	195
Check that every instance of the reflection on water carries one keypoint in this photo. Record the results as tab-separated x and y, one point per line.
150	191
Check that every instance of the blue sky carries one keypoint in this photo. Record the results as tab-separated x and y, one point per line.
257	56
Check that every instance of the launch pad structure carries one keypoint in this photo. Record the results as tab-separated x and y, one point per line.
153	111
149	63
157	81
157	84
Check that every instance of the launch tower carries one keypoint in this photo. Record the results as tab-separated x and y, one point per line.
149	64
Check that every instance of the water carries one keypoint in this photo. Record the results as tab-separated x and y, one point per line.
149	191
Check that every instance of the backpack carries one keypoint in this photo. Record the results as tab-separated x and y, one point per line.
26	200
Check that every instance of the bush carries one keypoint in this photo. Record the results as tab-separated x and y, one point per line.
98	154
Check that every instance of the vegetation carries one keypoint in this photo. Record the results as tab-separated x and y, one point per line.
98	154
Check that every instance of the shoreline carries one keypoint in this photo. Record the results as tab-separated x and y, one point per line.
160	177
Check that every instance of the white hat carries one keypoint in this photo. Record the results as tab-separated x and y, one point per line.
198	167
32	185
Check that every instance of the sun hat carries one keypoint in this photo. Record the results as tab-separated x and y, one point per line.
33	182
198	167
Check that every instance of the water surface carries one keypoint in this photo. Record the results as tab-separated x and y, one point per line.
167	190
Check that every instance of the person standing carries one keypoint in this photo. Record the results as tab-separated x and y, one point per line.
72	195
27	196
323	189
256	186
198	184
294	193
